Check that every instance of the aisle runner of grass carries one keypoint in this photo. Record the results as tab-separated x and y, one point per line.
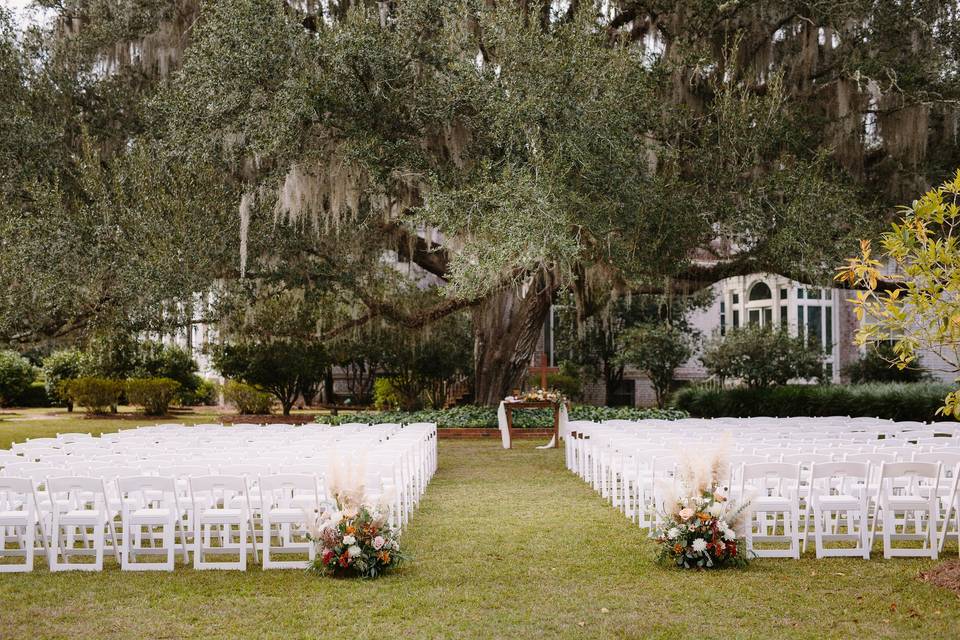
506	544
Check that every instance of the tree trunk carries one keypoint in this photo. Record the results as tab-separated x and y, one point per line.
506	329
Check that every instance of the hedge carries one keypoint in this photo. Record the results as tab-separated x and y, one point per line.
153	394
472	416
96	395
896	401
247	399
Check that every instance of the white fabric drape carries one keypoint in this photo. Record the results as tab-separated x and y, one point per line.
502	424
562	427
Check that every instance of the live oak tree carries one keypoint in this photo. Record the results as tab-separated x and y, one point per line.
275	151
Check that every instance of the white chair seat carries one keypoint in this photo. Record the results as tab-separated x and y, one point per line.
14	518
771	503
234	516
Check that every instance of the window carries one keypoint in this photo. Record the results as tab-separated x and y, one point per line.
753	316
736	318
625	394
814	328
828	328
723	318
783	315
767	316
800	320
783	293
800	293
736	298
760	291
813	294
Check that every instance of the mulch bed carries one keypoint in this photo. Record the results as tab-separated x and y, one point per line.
945	574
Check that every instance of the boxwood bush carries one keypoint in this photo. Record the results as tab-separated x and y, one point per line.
896	401
472	416
96	395
153	394
246	398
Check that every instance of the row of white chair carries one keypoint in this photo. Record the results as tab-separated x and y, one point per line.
630	462
211	489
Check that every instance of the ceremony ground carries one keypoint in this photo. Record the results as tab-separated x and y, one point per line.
506	544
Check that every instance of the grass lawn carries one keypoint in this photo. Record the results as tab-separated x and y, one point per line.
506	544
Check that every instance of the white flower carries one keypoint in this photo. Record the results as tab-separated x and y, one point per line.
715	509
699	545
353	551
348	540
729	534
673	533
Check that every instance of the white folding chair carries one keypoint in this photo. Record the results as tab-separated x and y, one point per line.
903	490
838	497
287	502
18	523
79	504
773	489
149	502
215	508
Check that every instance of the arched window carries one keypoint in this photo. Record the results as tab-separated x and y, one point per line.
760	291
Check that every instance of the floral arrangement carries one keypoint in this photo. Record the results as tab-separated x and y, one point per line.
697	526
354	542
538	395
352	537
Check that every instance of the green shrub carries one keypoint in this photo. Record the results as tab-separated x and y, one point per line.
153	394
34	396
206	393
58	367
917	401
566	381
385	395
96	395
876	365
246	398
473	416
762	357
16	376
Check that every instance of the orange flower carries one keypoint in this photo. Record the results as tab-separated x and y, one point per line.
677	548
351	530
384	557
703	516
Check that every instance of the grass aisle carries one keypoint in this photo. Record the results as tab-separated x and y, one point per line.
506	544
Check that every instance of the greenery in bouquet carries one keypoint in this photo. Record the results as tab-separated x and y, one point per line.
697	524
354	542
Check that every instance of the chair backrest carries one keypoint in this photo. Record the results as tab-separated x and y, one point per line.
929	470
218	487
807	459
281	489
76	493
146	483
854	470
16	494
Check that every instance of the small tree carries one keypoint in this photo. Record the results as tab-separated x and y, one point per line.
918	304
877	364
283	368
420	364
762	357
158	360
16	375
657	350
58	368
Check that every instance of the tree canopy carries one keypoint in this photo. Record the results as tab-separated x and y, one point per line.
274	153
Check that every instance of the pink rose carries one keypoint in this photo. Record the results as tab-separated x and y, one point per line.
378	543
686	513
